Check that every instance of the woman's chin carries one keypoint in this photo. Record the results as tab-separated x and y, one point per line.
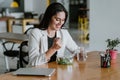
57	29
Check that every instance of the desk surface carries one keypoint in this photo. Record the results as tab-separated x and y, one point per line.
89	70
5	18
13	36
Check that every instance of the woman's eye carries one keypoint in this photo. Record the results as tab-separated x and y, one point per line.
57	19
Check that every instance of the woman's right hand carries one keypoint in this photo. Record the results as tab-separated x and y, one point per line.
57	44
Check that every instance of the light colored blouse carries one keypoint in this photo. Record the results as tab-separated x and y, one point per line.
38	45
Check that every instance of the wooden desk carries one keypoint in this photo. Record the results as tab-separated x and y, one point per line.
23	21
13	36
5	18
89	70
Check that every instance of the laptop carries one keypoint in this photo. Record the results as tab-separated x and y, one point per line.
34	71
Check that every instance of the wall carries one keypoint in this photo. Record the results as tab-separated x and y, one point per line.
40	6
28	5
3	26
37	6
104	22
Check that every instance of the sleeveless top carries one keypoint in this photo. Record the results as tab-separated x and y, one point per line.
50	42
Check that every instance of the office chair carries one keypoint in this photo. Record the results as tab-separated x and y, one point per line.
24	56
9	52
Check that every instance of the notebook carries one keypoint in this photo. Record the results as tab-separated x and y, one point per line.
34	71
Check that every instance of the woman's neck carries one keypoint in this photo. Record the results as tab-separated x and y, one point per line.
51	33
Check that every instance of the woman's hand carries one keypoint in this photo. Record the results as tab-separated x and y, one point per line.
57	44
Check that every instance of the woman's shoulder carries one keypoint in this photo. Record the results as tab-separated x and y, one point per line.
36	30
64	30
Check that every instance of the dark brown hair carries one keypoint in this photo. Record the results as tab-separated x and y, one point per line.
51	10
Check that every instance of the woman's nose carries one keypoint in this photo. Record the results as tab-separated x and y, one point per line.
60	22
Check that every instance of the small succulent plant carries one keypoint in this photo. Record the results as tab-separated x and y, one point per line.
112	43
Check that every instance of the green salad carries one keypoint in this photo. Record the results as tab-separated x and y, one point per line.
64	60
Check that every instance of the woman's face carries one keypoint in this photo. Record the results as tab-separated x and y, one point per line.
57	21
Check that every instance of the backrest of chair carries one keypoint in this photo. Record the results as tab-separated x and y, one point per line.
9	49
6	43
24	56
23	53
28	30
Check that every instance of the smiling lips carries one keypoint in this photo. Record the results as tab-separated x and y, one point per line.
58	25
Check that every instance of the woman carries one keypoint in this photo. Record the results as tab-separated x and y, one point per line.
49	40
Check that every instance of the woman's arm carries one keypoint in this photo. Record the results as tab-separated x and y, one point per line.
70	43
57	44
74	48
36	52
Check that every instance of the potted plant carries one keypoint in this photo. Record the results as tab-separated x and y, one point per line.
111	45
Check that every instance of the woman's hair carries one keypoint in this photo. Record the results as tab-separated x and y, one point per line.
51	10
